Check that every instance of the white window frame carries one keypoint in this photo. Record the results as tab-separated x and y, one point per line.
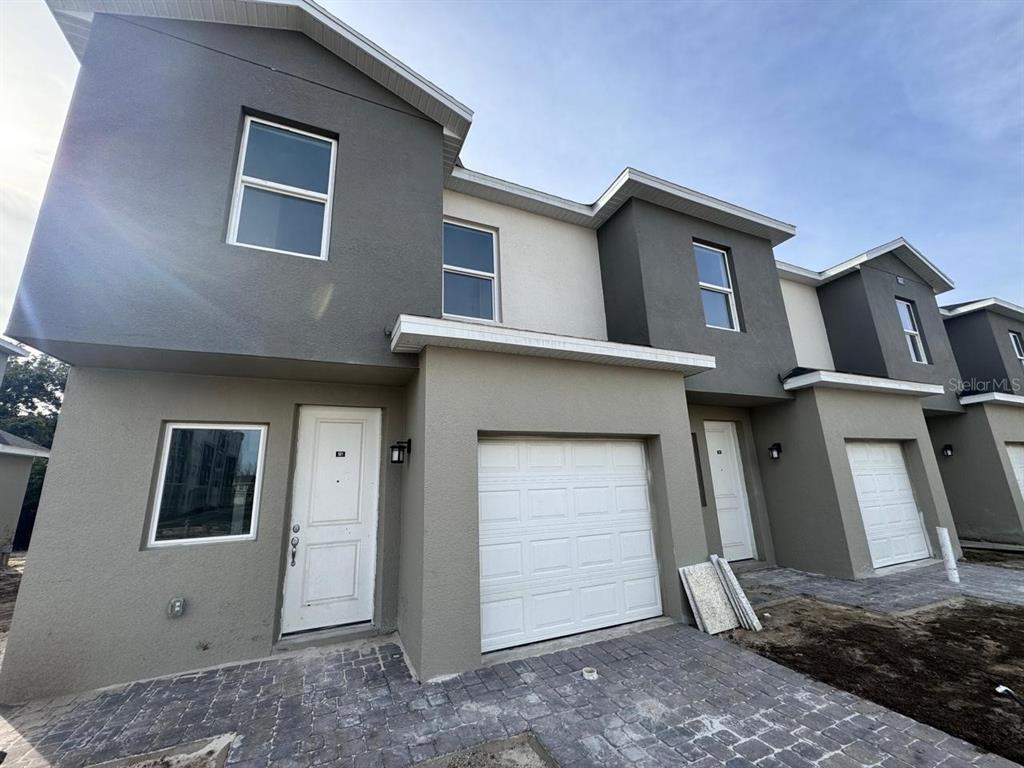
1017	342
492	276
158	495
719	289
916	340
242	181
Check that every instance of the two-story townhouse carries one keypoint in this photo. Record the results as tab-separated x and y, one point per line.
982	450
314	394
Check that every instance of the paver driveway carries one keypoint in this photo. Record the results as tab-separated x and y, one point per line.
666	697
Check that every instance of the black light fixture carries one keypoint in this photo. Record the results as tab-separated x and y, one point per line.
775	451
947	450
400	450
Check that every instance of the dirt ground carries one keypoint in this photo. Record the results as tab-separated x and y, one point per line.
939	666
521	751
995	557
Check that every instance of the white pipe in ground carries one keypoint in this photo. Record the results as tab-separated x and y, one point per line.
948	558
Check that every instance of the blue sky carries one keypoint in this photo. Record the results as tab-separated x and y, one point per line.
858	122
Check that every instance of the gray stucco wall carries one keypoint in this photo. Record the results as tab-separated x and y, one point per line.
14	472
649	268
130	249
72	633
1001	327
983	493
984	352
812	503
466	394
867	337
751	477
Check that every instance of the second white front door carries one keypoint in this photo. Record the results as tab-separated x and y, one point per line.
730	490
332	537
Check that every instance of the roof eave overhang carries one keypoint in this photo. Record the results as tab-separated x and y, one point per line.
631	183
859	382
999	398
412	333
997	306
75	20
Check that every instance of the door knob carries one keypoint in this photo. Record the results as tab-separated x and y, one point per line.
295	546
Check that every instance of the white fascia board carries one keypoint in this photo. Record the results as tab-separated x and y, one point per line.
11	348
797	274
412	333
10	450
630	183
993	397
836	380
937	279
999	306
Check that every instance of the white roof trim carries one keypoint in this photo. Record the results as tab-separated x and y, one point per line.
630	183
836	380
999	306
75	19
904	251
39	453
11	348
412	333
993	397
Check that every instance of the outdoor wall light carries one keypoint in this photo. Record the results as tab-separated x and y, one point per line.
400	450
775	451
947	450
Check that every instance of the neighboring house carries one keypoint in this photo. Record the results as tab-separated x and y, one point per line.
982	450
16	457
326	381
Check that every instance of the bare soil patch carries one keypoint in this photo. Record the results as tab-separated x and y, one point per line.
523	751
939	666
995	557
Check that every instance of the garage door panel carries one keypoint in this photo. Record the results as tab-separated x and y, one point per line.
892	520
566	539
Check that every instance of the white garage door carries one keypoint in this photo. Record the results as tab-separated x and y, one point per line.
1016	452
566	539
891	518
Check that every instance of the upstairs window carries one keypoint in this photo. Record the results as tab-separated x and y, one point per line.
1018	345
283	190
716	292
911	330
470	288
209	483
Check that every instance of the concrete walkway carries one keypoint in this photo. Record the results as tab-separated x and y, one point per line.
670	696
895	593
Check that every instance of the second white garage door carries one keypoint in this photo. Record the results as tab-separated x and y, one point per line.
566	538
1016	453
892	520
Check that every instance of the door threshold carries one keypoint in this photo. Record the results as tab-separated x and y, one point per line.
327	636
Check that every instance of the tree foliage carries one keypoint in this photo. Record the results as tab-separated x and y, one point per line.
31	394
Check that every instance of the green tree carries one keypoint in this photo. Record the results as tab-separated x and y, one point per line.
31	394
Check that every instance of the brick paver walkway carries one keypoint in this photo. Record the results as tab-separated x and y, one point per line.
895	593
666	697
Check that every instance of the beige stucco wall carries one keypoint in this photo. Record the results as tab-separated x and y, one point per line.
549	272
806	325
466	394
812	503
983	493
14	472
91	610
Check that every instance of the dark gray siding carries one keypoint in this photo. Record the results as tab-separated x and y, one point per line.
866	335
850	328
130	245
978	356
1001	327
665	298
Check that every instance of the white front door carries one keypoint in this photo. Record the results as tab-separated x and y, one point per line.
892	520
332	539
730	490
1016	453
566	538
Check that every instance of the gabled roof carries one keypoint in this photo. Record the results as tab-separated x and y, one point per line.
630	183
999	306
75	20
19	446
899	248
